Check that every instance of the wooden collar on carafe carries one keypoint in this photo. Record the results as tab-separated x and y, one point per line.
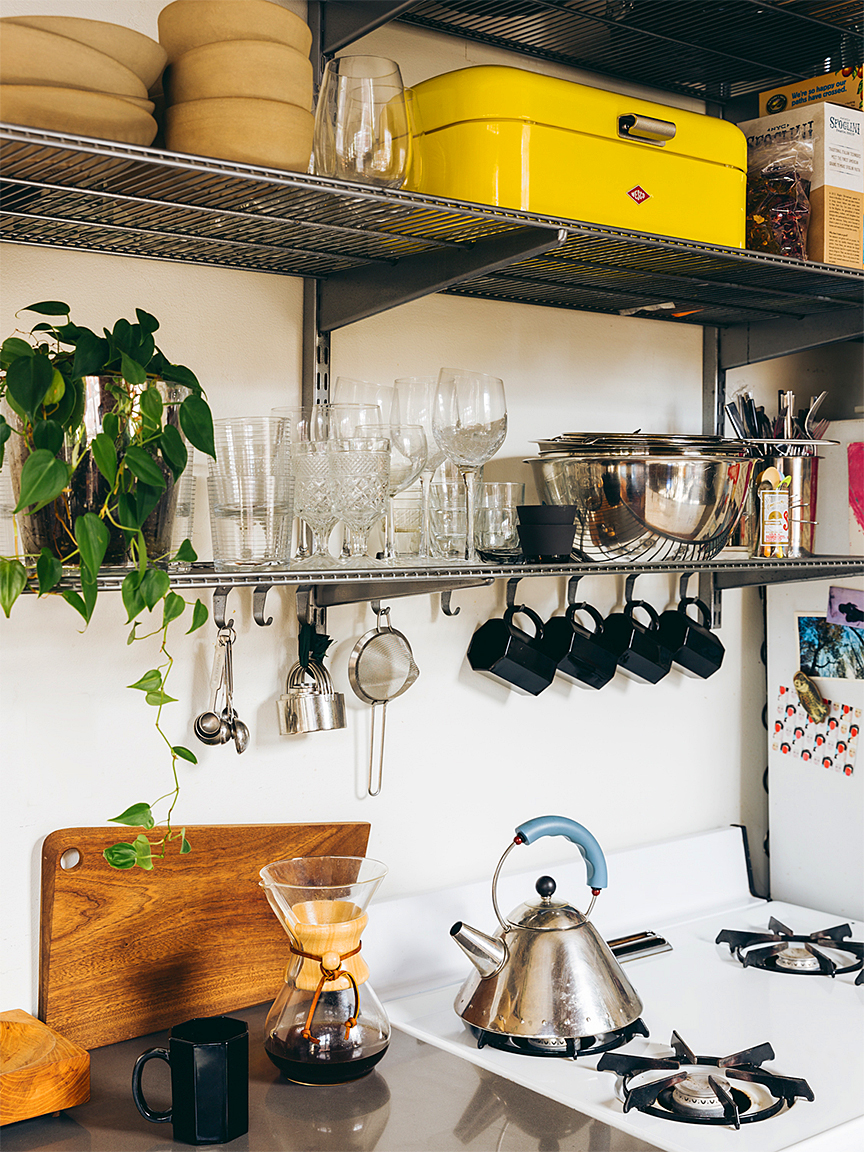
331	969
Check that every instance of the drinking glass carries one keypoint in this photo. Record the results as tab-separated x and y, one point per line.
313	498
407	457
345	421
447	520
361	122
469	422
360	467
496	520
346	390
413	404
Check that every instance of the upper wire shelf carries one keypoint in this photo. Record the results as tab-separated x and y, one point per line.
93	195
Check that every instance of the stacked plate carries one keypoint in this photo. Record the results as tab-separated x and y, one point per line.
239	82
642	444
86	77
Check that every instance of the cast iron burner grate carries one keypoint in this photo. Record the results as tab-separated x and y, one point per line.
730	1090
564	1046
780	950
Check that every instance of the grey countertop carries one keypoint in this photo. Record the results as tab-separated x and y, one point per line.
418	1099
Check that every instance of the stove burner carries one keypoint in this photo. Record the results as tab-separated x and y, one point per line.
558	1046
731	1090
780	950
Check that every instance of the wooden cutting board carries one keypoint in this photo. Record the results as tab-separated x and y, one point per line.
40	1071
123	954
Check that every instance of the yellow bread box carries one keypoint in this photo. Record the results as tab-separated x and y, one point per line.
515	139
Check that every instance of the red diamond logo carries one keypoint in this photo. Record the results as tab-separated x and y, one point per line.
638	194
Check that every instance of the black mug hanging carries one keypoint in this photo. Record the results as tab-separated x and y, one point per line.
635	645
578	652
502	650
696	650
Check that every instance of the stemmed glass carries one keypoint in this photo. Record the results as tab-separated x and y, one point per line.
469	423
360	469
361	122
313	487
349	391
407	458
413	404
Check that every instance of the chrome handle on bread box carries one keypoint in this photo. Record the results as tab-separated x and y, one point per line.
646	129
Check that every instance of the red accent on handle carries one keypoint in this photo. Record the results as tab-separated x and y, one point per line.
517	839
596	891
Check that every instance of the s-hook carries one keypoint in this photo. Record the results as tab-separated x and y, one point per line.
445	604
511	591
628	587
572	585
220	596
682	584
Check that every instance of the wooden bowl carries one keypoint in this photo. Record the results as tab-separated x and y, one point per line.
77	111
265	132
139	53
34	56
257	69
187	24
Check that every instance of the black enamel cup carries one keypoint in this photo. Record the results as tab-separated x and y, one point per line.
578	654
695	649
635	645
209	1061
501	650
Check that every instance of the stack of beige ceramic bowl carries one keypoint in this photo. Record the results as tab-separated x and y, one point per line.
239	82
86	77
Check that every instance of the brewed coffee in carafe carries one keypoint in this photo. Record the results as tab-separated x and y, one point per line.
326	1025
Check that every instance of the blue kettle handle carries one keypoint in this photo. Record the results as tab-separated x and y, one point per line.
577	834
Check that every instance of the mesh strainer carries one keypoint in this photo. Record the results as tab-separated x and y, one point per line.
381	666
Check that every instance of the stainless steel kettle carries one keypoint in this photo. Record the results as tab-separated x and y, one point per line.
546	975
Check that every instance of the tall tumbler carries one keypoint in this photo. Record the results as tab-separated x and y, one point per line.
251	494
361	122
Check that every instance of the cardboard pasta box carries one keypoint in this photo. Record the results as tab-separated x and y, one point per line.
842	87
836	228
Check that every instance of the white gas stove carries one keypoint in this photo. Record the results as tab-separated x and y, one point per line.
687	891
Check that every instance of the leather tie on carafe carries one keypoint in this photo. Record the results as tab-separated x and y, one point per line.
329	973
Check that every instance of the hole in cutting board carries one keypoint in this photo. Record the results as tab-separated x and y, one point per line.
71	858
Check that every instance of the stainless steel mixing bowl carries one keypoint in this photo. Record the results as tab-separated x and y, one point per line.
646	507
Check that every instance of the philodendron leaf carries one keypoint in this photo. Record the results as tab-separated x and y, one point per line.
13	578
185	846
91	354
143	853
148	323
133	601
91	536
105	455
184	754
56	391
173	450
111	425
48	308
89	588
157	699
13	347
146	499
199	616
131	638
151	410
150	682
5	433
27	381
154	586
133	372
48	571
48	434
43	478
186	552
179	374
173	608
74	600
121	856
143	466
136	815
197	422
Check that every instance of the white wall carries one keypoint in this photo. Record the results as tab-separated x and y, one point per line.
465	759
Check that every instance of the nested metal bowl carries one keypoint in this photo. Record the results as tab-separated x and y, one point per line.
649	507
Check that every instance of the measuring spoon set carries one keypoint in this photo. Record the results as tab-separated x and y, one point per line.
221	726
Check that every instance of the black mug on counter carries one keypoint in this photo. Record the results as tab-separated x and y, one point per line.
636	646
695	649
209	1061
578	653
502	650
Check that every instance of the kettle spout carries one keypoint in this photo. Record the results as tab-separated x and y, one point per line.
487	953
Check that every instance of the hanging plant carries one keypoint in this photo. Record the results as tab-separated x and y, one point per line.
94	430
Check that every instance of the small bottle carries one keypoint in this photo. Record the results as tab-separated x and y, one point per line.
774	523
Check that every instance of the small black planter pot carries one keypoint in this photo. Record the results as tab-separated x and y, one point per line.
501	650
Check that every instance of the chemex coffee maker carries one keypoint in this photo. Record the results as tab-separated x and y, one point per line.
547	984
326	1025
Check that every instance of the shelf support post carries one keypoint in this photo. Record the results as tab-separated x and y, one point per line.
713	417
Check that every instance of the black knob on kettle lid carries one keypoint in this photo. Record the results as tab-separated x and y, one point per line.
545	887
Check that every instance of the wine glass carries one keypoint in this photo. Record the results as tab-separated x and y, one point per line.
361	122
346	390
360	468
314	498
407	458
469	423
413	404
